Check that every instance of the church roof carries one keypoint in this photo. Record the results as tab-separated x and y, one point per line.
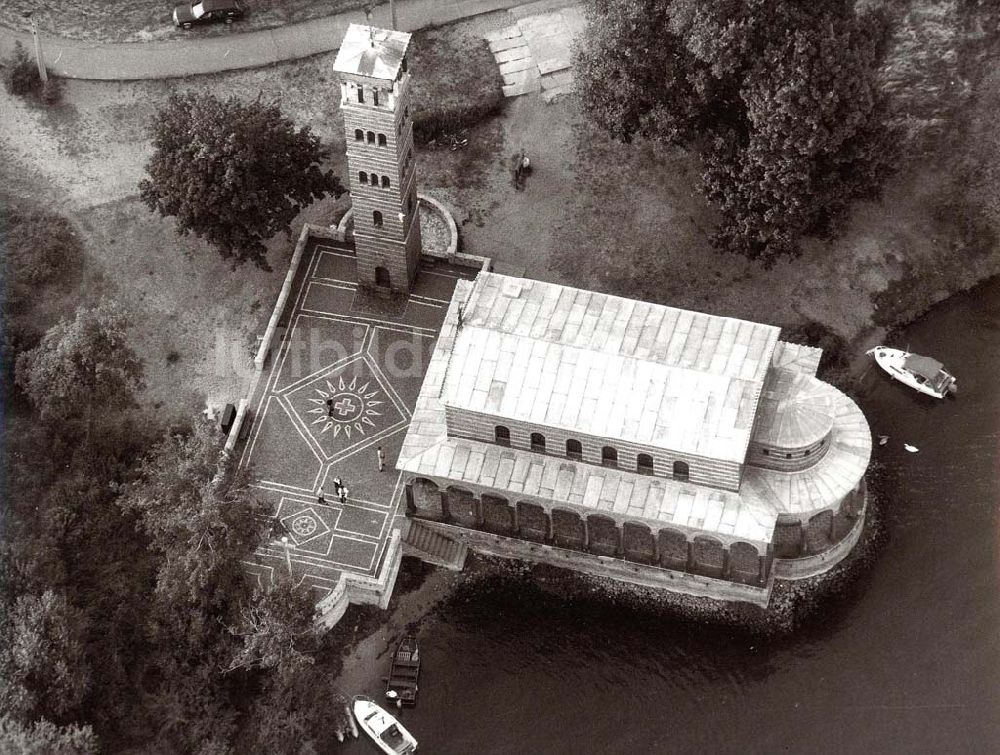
370	51
609	367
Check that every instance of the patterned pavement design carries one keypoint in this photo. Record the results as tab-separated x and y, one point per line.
342	382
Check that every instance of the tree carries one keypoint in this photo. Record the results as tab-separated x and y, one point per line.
815	142
201	517
233	173
42	665
82	365
778	97
277	629
45	738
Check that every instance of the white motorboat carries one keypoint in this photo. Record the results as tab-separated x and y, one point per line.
388	733
924	374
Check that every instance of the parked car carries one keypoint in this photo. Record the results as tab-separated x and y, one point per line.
206	11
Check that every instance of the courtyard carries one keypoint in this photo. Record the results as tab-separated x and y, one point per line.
340	383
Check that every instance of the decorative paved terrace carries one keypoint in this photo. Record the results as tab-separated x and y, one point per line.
342	380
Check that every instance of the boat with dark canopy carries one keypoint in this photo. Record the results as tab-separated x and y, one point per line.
921	373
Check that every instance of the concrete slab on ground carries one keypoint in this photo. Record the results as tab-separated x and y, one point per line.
516	90
516	66
515	53
506	33
552	65
546	32
507	44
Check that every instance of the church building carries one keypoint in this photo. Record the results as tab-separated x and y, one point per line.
635	441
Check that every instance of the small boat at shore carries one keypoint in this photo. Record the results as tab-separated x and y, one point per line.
404	673
383	728
923	374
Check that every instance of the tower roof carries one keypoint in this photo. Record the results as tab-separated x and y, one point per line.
370	51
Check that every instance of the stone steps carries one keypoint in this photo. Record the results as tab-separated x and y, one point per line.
506	44
515	66
507	32
515	53
432	546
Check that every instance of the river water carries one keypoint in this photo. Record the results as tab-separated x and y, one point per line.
907	662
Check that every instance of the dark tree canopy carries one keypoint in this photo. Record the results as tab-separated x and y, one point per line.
233	173
199	513
45	738
778	96
276	629
42	671
82	366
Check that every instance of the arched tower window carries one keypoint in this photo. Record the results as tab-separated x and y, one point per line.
362	177
361	93
501	435
574	449
609	457
385	182
359	135
375	96
381	140
538	442
681	470
371	137
377	218
644	464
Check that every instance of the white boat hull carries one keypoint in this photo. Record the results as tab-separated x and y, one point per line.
893	362
387	733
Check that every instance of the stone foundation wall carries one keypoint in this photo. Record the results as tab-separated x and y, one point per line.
594	534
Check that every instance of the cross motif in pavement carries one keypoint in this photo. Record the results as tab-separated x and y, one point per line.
345	406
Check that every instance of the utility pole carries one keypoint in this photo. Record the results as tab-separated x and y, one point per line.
42	73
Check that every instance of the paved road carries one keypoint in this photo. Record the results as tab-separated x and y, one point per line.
79	59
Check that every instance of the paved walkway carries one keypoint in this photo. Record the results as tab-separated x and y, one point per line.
367	359
78	59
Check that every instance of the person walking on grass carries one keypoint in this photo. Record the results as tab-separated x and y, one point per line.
329	407
337	485
380	455
343	495
321	497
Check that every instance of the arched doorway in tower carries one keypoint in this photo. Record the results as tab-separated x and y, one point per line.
382	278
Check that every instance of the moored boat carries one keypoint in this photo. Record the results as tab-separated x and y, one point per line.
921	373
388	733
404	673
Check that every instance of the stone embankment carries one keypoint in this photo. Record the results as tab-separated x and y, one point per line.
791	604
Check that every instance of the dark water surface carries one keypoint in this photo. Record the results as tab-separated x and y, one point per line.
909	662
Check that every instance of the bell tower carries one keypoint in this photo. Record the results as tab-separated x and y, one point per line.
375	102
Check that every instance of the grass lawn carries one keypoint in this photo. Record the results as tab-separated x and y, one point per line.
135	20
455	95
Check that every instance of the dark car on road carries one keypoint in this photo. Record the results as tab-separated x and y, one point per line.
206	12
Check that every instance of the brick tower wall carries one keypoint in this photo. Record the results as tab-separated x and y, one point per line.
396	245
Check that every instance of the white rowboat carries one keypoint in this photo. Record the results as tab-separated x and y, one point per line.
388	733
923	374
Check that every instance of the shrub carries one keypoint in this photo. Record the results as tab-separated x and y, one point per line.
52	91
40	247
20	72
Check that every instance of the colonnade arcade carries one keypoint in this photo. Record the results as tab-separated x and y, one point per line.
598	534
